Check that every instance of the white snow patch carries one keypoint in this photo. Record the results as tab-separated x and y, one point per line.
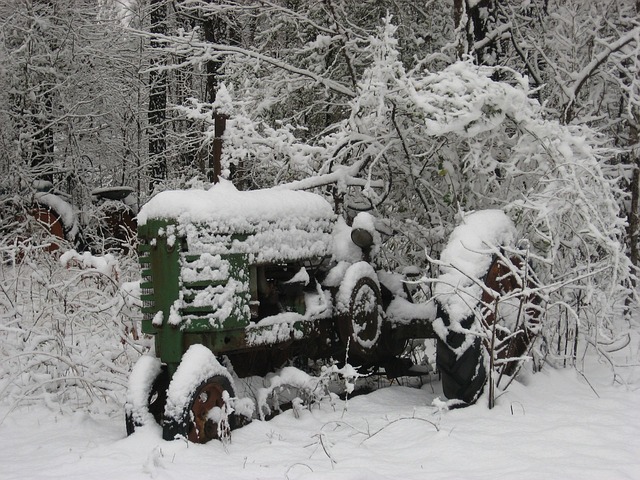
302	276
63	209
556	427
223	102
104	264
275	329
402	311
336	274
344	250
233	210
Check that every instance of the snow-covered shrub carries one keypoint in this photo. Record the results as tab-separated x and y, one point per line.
554	181
68	334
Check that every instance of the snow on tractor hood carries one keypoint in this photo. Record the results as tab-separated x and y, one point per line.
228	207
279	224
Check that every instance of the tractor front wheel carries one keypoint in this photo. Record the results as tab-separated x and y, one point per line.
208	415
147	393
198	399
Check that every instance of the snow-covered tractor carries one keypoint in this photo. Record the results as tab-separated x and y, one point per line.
254	279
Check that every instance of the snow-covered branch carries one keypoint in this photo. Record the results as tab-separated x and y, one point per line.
199	52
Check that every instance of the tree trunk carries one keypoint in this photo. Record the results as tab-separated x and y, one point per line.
157	96
474	23
212	27
633	210
633	217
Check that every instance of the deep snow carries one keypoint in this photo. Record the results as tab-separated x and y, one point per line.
554	427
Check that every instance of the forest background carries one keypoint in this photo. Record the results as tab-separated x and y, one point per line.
419	112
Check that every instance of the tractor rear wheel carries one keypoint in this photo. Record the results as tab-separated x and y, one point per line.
463	377
463	373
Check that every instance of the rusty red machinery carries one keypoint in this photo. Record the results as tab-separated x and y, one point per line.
117	219
108	224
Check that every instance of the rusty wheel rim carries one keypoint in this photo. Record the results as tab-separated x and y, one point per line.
207	399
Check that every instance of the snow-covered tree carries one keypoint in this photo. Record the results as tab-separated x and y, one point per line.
422	148
420	112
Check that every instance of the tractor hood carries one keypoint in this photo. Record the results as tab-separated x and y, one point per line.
234	210
269	225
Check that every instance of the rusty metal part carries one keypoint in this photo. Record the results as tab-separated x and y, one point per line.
51	221
208	411
502	280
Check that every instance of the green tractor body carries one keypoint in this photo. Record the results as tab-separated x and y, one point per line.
234	271
261	278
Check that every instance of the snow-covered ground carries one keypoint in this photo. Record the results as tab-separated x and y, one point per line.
559	425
